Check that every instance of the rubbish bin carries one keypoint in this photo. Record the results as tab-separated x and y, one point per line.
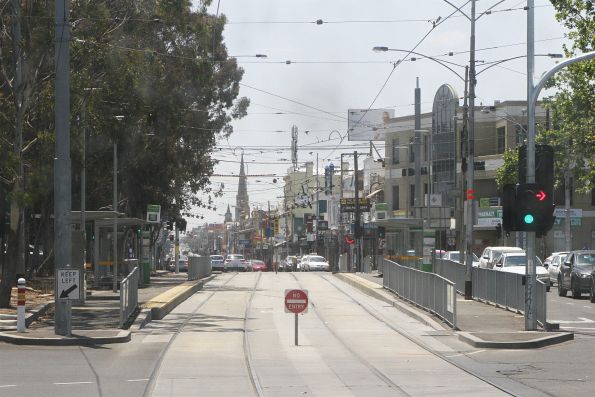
146	272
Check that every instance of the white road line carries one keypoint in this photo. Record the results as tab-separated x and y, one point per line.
1	386
72	383
588	307
138	380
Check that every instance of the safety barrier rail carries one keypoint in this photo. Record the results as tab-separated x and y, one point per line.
198	267
128	296
427	290
501	288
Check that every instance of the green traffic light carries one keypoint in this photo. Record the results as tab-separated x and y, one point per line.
528	219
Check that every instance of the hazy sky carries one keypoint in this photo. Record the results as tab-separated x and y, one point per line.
333	68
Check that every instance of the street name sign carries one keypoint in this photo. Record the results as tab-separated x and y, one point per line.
296	301
67	284
348	204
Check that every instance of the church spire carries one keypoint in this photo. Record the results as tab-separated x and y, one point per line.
228	217
242	201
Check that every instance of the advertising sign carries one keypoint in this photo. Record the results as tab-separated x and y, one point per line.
348	204
153	213
367	124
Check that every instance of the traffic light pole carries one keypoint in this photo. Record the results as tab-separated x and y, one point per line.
357	234
533	91
530	318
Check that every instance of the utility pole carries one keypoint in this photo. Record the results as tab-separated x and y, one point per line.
470	161
464	166
418	186
115	226
317	204
357	234
62	168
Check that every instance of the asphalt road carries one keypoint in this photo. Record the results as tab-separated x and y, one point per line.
576	315
234	338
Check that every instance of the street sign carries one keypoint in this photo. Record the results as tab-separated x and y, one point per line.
348	204
67	284
296	301
153	213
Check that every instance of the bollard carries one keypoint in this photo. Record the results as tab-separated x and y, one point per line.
21	305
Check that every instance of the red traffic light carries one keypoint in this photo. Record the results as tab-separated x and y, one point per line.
541	195
349	240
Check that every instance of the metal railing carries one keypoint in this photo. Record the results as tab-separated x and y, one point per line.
427	290
198	267
500	288
128	296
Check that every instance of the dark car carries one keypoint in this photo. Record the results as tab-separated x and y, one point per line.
576	273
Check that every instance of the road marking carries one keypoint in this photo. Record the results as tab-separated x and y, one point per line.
1	386
581	320
73	383
585	328
588	307
138	380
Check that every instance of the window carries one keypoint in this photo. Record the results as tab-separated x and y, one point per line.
411	195
395	197
425	145
396	158
501	134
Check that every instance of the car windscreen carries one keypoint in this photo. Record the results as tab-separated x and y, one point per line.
235	257
520	260
585	261
217	257
317	259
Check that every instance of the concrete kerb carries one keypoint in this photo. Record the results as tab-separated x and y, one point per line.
83	338
377	291
159	306
541	339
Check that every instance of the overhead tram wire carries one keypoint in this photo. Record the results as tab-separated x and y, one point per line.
435	24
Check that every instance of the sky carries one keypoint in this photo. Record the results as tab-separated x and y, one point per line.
314	73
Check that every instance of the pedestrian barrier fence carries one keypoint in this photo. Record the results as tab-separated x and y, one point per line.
503	289
427	290
198	267
128	296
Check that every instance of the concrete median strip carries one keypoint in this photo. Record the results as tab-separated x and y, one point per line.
493	340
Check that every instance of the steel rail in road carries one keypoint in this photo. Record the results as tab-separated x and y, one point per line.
379	374
418	342
254	379
152	379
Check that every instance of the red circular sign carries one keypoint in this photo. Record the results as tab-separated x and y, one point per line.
296	301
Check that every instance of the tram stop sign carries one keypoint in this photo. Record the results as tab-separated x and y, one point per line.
296	301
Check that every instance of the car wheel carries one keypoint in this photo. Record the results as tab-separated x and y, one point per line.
576	292
561	290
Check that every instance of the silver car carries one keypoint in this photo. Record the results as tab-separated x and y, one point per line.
235	262
314	262
552	263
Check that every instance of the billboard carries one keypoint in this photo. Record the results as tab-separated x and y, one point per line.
367	125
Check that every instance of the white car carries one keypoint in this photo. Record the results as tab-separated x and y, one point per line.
552	264
455	256
515	262
314	262
235	262
491	254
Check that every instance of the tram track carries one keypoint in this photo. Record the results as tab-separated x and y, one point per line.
373	369
254	379
152	378
414	340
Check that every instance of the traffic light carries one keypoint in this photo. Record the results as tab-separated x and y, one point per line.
544	166
181	223
534	208
170	225
381	231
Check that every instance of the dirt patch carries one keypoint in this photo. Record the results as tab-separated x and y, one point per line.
38	292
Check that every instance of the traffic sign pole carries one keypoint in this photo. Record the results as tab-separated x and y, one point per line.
296	329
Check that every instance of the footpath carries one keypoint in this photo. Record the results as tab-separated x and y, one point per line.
97	321
479	324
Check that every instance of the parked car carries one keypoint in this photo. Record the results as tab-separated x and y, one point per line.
235	262
217	262
515	262
576	274
491	254
256	265
314	262
289	264
552	264
455	256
